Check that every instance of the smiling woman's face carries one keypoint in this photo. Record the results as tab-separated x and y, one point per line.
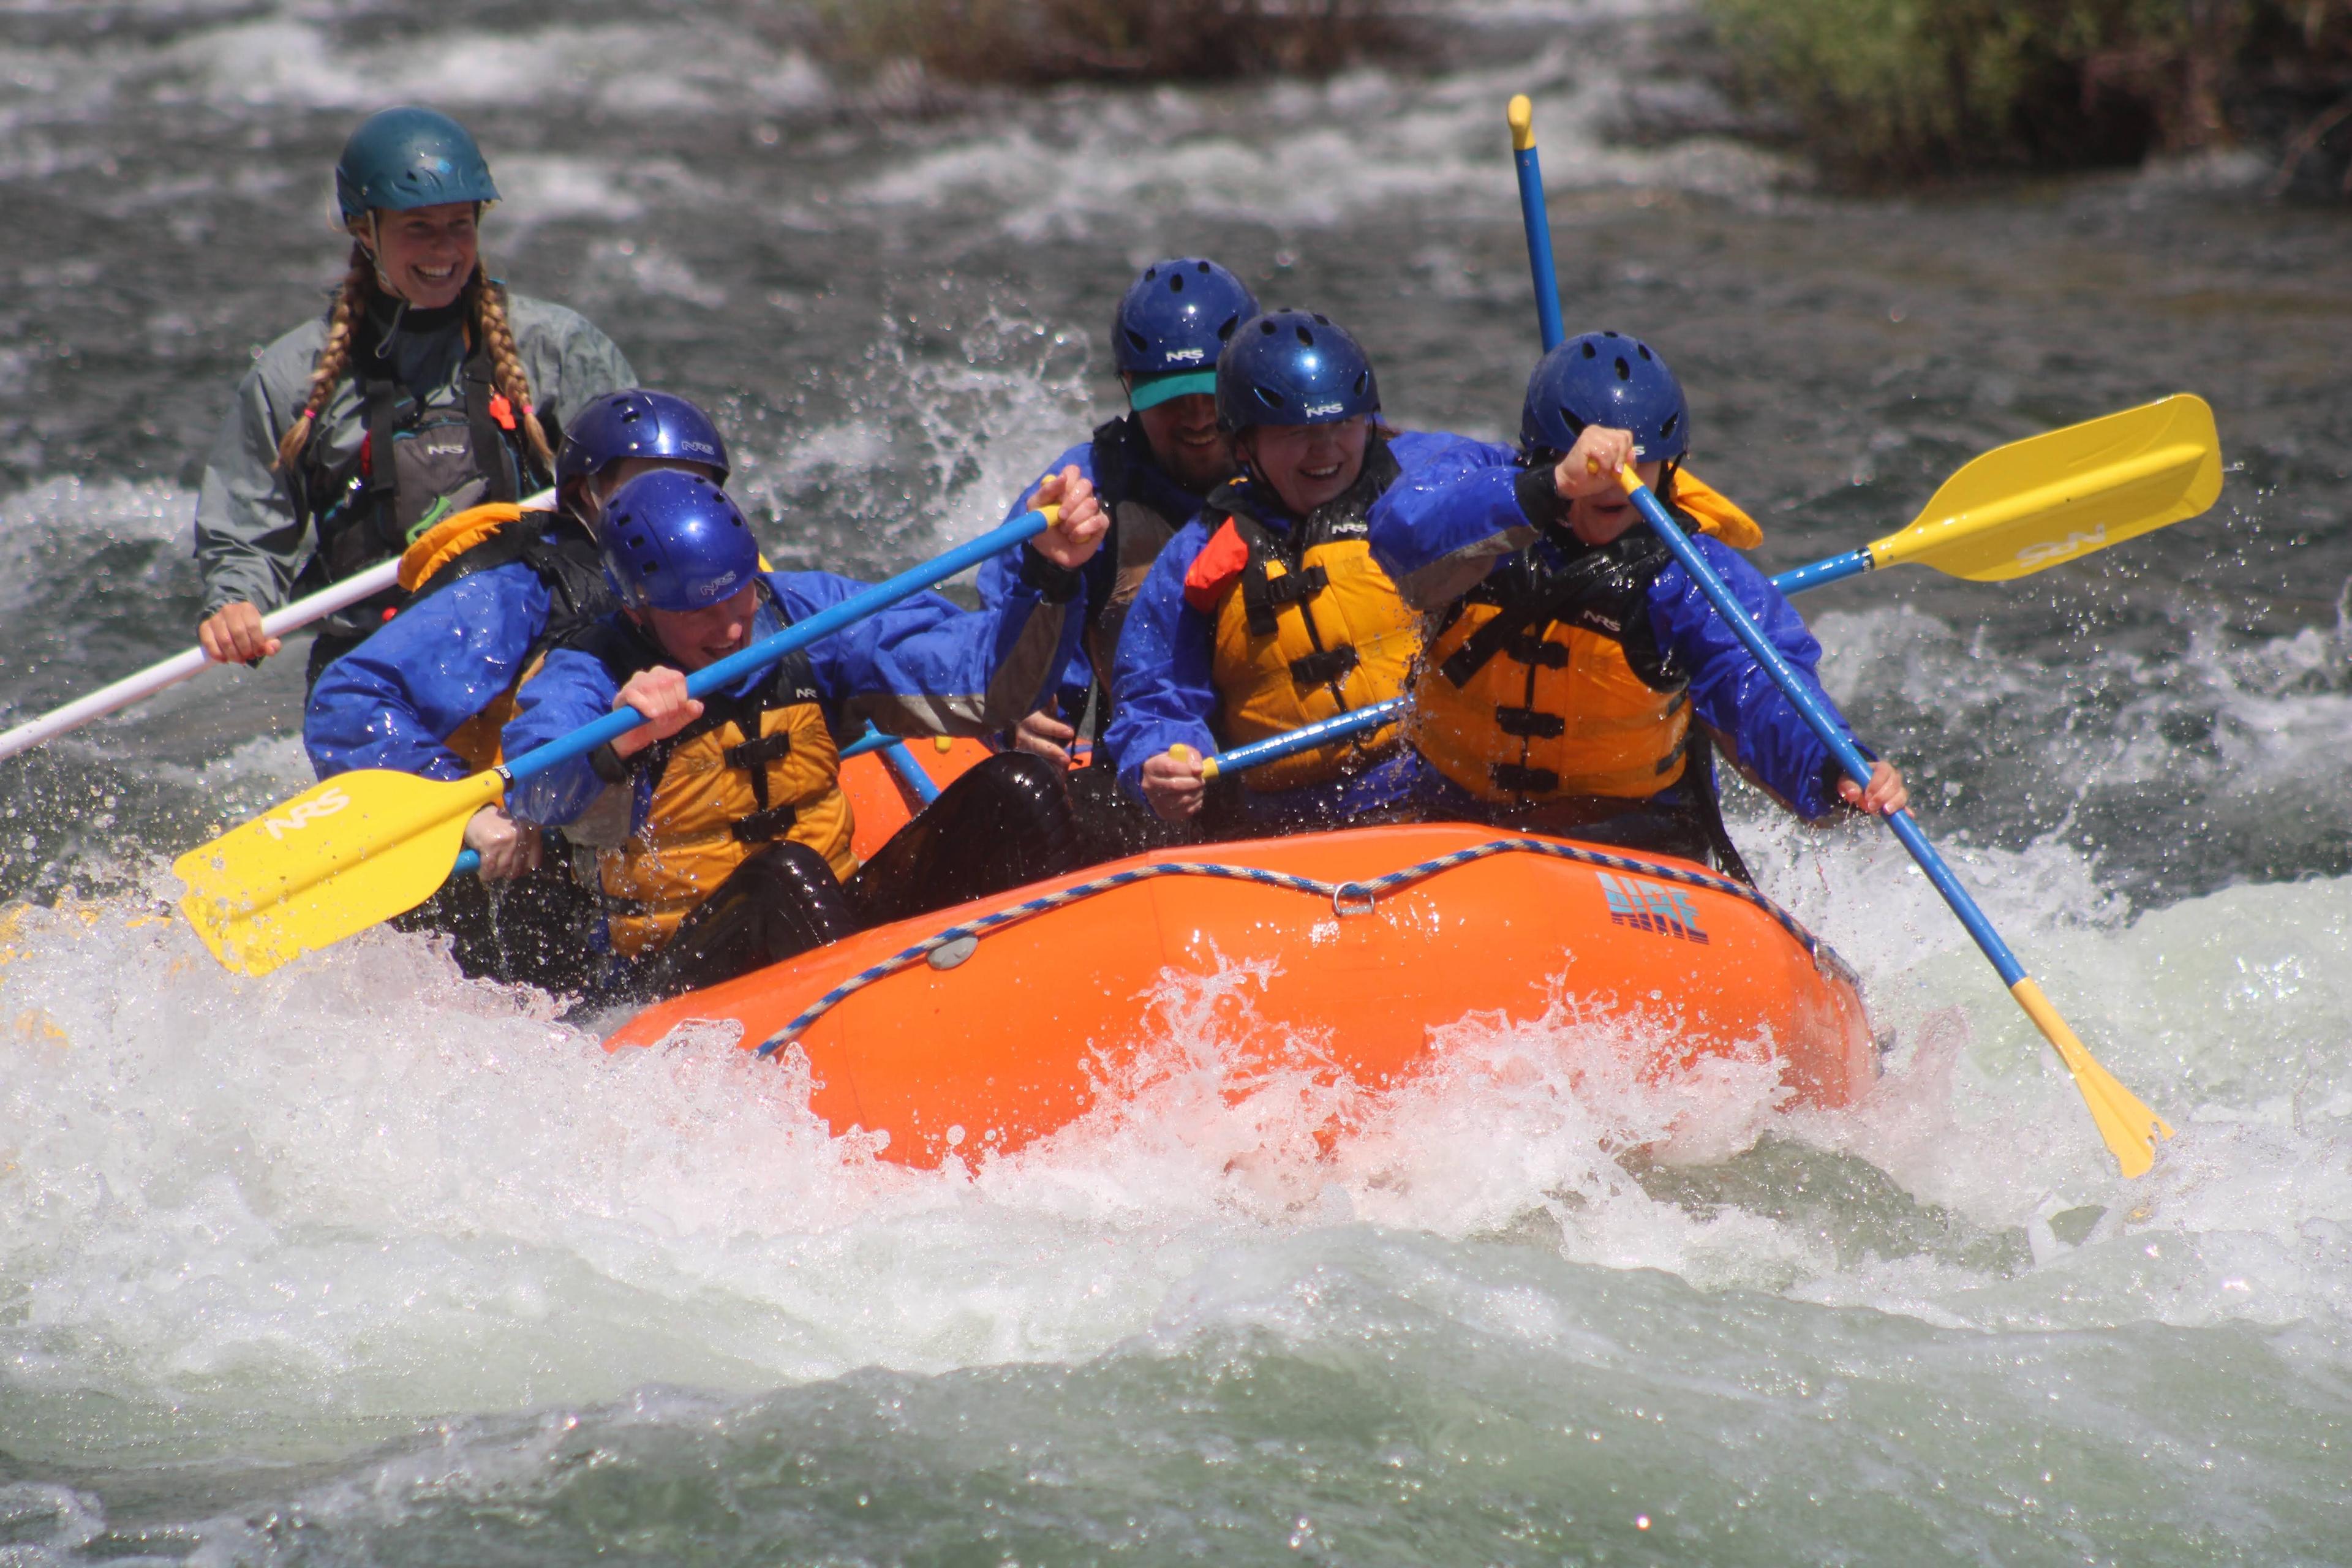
1307	464
426	253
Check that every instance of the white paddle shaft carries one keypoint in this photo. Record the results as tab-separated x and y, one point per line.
155	678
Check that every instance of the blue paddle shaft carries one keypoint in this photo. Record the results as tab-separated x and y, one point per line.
791	640
1538	226
470	860
1308	737
910	771
1835	569
1825	727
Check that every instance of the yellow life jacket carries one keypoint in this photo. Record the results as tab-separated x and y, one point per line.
1307	625
1545	680
752	769
495	534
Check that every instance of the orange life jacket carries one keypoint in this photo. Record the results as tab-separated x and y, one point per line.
1307	625
1544	681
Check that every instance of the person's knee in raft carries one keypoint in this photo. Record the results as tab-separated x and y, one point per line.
289	475
683	800
1153	468
1573	652
1268	613
486	592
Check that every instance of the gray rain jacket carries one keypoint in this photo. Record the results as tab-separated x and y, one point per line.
256	528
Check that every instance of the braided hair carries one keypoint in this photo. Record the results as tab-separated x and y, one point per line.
495	333
334	361
486	314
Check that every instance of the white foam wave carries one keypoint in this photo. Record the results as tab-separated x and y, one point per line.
931	446
51	531
621	69
1302	154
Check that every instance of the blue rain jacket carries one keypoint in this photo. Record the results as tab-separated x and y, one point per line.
1442	529
1166	696
1149	485
923	667
390	701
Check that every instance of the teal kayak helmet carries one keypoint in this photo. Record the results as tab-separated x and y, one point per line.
1609	380
673	541
409	157
1293	367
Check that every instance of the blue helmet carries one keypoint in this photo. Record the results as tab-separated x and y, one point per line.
1172	323
638	424
403	158
1293	367
674	541
1606	379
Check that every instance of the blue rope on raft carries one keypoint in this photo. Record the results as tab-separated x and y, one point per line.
1346	897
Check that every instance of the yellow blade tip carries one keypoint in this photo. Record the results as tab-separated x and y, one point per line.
2129	1128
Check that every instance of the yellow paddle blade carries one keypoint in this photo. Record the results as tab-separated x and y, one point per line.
334	861
2130	1128
2035	503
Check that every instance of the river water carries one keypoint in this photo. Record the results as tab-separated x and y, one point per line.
365	1263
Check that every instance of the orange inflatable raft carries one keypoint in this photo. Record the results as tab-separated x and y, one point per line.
985	1026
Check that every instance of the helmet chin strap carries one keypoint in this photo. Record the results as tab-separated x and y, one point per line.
373	245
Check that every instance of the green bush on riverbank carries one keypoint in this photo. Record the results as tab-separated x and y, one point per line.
1055	40
1895	88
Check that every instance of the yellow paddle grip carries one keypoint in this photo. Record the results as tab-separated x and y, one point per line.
1522	116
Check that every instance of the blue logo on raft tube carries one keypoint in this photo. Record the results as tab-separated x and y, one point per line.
1647	906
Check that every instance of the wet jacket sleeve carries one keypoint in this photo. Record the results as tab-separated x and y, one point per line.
250	539
998	575
927	667
1165	682
1449	518
390	702
570	690
1760	730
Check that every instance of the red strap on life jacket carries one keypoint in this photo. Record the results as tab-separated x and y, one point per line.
502	412
1216	569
